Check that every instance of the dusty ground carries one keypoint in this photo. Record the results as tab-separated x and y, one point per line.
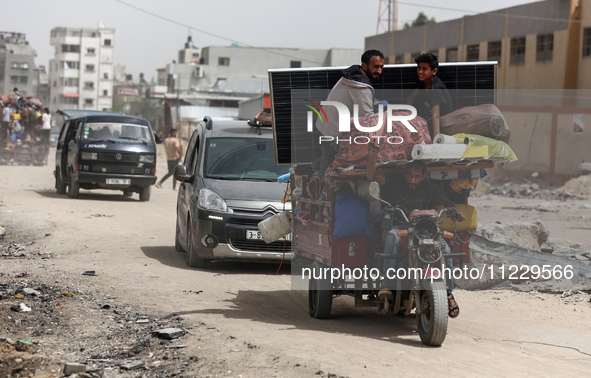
242	319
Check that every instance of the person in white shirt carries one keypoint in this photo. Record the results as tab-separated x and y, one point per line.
46	127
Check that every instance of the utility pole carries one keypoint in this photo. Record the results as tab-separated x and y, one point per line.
387	16
573	53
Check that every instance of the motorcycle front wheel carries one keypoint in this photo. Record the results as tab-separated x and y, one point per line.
432	322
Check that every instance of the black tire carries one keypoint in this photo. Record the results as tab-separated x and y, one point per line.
432	323
319	294
73	187
177	243
60	186
193	260
145	193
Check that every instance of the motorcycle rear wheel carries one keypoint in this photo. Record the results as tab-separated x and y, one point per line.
432	322
319	294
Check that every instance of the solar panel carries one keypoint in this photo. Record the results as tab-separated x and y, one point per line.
469	84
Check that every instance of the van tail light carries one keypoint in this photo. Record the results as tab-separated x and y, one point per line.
153	170
79	167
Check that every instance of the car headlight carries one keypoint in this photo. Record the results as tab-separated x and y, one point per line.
210	200
89	155
146	159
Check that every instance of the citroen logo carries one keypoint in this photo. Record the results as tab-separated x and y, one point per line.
118	156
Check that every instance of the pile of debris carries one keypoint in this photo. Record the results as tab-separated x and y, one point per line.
519	255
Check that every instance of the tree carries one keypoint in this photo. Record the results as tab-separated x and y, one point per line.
150	109
421	20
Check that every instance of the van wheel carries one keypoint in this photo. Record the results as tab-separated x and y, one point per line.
60	186
193	260
73	187
145	193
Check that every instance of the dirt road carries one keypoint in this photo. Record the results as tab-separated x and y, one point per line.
242	319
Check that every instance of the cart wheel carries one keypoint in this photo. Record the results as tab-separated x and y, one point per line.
319	293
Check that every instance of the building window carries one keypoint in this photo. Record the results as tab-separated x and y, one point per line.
88	85
90	67
451	54
545	46
472	53
106	75
88	101
90	51
587	42
14	79
14	65
223	61
517	50
24	66
107	42
71	65
295	64
23	79
399	59
105	92
71	48
494	51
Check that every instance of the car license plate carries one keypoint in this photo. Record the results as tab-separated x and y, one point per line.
113	181
256	235
253	235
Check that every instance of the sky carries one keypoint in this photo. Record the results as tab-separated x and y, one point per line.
149	33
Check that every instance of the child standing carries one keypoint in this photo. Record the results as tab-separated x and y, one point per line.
434	100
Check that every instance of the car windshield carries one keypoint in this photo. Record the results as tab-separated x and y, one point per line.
116	132
241	159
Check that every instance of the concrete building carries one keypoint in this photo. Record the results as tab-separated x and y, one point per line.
531	43
543	50
81	72
214	80
17	65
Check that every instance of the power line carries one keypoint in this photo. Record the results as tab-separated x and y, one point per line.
213	34
491	13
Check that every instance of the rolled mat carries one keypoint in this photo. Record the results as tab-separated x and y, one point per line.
444	139
438	151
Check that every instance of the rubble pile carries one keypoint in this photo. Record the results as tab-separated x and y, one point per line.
528	235
507	267
124	343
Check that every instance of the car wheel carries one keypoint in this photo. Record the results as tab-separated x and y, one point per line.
73	187
60	186
177	243
145	193
193	260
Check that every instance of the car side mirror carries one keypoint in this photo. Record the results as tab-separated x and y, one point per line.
180	173
158	138
60	145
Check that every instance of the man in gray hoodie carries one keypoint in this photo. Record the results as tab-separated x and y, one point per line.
354	87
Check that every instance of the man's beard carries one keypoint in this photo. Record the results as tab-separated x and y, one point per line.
372	78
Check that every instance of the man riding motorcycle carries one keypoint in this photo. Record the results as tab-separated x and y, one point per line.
409	193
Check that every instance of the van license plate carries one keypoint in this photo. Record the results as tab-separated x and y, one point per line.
253	235
113	181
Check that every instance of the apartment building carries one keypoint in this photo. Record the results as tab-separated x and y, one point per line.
81	72
17	64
